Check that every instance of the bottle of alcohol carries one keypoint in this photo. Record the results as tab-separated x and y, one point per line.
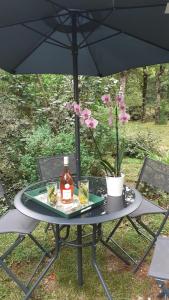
66	183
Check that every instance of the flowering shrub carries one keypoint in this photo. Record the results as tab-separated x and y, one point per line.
117	109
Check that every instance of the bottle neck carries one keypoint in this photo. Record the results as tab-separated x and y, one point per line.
66	168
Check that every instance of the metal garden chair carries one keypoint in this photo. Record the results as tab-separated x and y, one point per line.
50	168
15	222
159	268
155	174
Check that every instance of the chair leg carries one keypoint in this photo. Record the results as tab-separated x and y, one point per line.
38	244
134	225
3	265
49	264
18	241
139	221
13	276
153	242
144	256
117	252
47	227
164	291
137	229
114	230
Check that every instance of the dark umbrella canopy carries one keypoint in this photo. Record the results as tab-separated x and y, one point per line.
88	37
112	36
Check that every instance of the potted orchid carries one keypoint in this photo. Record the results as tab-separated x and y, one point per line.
117	114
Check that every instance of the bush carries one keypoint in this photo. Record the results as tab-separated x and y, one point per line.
141	145
43	142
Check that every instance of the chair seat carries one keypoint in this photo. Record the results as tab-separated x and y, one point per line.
14	221
147	207
159	267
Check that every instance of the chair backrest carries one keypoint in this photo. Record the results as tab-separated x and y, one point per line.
154	173
51	167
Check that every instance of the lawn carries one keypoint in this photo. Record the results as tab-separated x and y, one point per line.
60	283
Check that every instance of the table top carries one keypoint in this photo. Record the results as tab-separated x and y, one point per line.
112	208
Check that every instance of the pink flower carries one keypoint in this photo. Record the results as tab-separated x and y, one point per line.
124	117
122	106
85	114
119	98
106	99
77	109
91	123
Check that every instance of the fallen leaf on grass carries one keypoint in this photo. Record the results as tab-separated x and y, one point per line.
50	283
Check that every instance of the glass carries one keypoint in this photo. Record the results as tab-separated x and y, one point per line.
52	192
83	191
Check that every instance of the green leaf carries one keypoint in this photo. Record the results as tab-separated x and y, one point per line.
108	167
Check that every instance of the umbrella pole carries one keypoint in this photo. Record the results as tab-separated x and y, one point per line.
77	139
76	92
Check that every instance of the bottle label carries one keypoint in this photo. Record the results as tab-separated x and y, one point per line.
66	194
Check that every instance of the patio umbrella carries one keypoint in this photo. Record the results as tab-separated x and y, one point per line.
82	37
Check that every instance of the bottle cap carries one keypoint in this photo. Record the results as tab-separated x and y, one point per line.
66	160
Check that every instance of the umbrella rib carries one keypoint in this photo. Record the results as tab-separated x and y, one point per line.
67	34
46	36
125	32
58	5
32	21
91	32
33	49
90	52
55	44
101	40
115	8
93	59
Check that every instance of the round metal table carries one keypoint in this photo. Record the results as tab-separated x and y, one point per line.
112	208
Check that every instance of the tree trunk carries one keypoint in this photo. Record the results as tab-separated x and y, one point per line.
123	80
41	85
144	93
158	94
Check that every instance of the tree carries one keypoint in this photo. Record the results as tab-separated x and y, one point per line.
123	81
159	74
144	92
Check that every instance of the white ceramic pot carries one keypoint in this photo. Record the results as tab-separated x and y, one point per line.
115	185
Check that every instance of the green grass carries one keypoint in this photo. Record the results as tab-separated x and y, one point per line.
61	281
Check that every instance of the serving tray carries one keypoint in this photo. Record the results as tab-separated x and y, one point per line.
39	195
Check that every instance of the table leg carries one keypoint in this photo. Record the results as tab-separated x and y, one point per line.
94	263
79	255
